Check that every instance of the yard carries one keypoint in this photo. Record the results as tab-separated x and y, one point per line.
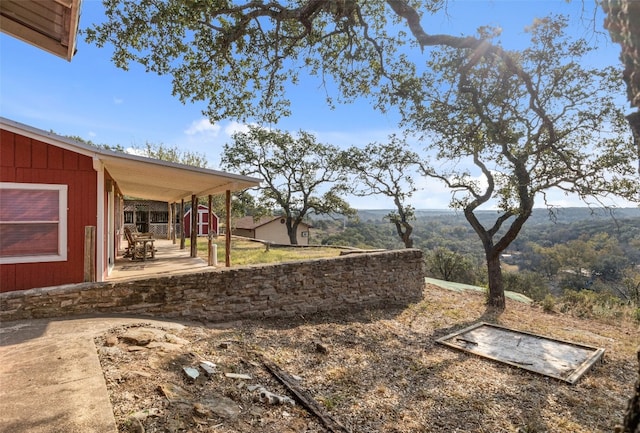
371	371
246	252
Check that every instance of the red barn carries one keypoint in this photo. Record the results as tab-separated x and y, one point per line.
203	221
61	204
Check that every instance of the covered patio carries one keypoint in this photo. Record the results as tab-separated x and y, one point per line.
169	260
150	179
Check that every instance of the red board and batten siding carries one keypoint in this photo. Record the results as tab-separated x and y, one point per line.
26	160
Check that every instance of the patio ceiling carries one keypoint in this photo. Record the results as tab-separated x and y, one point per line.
152	179
51	25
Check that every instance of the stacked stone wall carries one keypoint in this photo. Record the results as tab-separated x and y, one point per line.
353	281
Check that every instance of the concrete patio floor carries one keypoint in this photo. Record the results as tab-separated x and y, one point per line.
169	259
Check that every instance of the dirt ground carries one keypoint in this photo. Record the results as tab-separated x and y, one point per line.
369	371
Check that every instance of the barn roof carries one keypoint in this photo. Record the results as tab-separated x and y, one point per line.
143	177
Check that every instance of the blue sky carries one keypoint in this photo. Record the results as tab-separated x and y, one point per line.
91	98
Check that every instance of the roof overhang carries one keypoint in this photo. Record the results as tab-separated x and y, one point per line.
141	177
51	25
153	179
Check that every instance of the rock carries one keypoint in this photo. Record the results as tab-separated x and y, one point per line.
135	348
238	376
269	397
321	348
221	406
111	340
164	347
174	393
192	373
208	367
142	336
141	415
175	339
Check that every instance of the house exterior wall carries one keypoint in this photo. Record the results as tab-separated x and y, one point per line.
276	232
26	160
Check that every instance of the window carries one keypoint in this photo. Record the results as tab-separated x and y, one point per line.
33	222
159	217
305	234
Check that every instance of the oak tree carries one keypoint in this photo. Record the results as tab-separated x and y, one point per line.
385	169
300	175
502	140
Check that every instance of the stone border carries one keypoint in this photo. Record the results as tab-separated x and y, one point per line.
274	290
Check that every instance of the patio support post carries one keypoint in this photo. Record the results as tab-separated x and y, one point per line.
227	233
172	223
210	233
169	216
194	225
182	243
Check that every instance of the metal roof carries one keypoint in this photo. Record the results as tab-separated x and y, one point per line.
142	177
51	25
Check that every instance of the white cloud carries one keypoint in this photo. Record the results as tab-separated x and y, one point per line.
203	126
118	101
135	151
234	127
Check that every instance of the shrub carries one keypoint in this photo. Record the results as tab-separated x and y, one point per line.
590	304
528	283
548	303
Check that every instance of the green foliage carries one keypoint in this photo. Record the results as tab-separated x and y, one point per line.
384	169
529	284
172	154
525	122
590	304
450	266
573	281
116	148
523	133
362	235
300	175
237	57
548	303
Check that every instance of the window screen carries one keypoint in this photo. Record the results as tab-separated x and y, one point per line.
32	222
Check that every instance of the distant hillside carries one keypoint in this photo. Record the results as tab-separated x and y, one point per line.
539	216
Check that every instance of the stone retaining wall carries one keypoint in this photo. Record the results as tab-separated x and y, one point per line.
275	290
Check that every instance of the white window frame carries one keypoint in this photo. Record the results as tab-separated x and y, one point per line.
62	223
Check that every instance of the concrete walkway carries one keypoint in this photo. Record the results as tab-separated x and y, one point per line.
51	380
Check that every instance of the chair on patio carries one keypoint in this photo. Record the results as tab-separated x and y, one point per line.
140	245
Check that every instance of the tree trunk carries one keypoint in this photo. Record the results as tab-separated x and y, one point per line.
496	286
404	231
292	231
406	237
